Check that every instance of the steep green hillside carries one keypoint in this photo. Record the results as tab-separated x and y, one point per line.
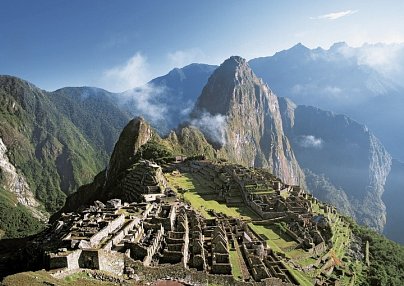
15	219
45	146
386	258
94	112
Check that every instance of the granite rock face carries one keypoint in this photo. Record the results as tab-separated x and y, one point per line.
240	116
344	152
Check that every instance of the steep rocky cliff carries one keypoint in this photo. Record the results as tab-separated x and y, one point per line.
351	161
13	181
240	116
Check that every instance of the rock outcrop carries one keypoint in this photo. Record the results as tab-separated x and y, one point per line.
135	134
13	181
240	115
107	184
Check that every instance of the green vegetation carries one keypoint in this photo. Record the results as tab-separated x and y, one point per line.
15	219
94	112
195	196
190	142
300	278
235	264
154	150
43	144
386	259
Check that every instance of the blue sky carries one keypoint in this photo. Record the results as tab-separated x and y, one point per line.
121	44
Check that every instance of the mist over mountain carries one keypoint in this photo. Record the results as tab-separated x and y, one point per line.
364	83
347	156
166	101
96	112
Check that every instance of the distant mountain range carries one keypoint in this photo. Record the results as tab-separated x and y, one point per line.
59	140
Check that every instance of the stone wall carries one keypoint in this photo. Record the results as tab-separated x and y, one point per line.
65	260
73	259
112	225
149	274
57	261
89	259
113	262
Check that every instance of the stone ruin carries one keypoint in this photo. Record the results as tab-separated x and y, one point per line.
270	199
113	235
144	181
108	236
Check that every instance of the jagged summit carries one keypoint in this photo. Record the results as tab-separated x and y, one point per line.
338	45
299	46
136	133
235	61
250	130
218	93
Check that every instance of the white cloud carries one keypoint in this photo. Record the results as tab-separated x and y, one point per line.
145	101
135	72
182	58
306	89
378	55
335	15
213	126
386	59
310	141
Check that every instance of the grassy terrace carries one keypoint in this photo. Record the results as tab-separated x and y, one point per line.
341	232
196	196
235	264
199	194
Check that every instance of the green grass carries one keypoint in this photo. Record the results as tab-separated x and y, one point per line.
76	276
235	264
193	195
15	219
297	254
196	194
341	236
300	278
307	261
275	241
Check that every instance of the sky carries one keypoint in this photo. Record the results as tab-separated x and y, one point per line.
119	45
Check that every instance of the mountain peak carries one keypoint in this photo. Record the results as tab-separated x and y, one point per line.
136	133
299	47
239	109
219	91
339	45
234	60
